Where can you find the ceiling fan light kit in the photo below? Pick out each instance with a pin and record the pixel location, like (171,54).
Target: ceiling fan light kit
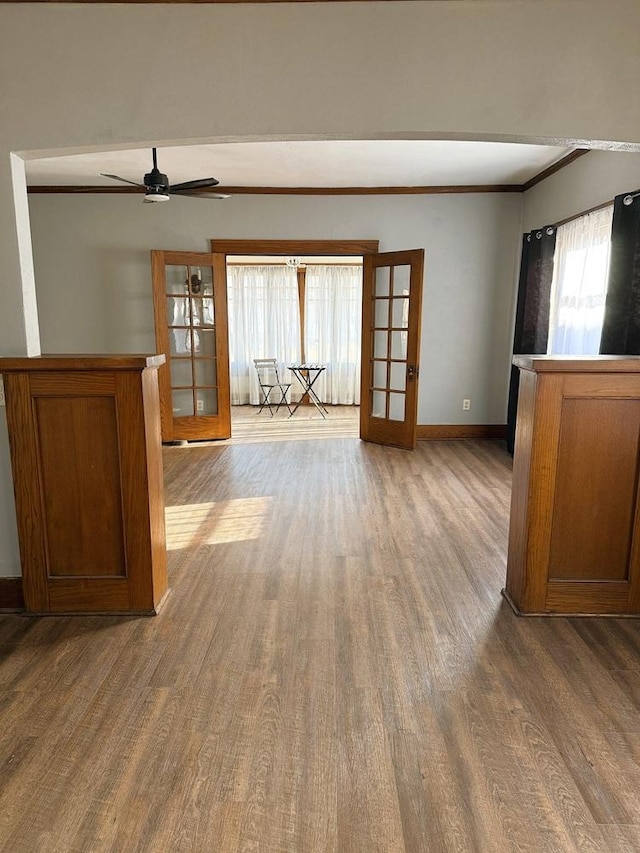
(155,195)
(156,185)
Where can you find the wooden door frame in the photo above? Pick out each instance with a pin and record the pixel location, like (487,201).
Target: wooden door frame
(293,248)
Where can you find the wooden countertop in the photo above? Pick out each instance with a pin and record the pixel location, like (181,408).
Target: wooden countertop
(578,364)
(80,362)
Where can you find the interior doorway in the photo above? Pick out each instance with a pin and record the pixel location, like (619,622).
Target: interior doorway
(294,326)
(299,302)
(190,307)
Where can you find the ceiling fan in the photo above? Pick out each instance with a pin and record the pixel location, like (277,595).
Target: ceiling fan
(157,186)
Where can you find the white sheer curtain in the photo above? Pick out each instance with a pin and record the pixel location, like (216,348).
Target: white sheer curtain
(579,286)
(264,322)
(333,307)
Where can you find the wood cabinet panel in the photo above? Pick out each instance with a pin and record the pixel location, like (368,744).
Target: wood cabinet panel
(81,486)
(99,595)
(518,528)
(573,540)
(86,457)
(26,486)
(577,597)
(596,489)
(137,496)
(157,579)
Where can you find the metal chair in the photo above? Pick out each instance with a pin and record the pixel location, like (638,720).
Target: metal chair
(269,380)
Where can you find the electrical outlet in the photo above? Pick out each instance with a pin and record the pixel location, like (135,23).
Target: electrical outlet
(2,401)
(466,405)
(199,405)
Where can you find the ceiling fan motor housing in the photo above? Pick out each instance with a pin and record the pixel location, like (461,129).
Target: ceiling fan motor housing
(156,181)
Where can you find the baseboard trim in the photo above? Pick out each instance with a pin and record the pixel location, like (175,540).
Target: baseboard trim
(561,614)
(457,432)
(11,597)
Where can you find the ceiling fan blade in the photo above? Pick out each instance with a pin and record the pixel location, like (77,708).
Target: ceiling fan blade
(203,183)
(199,194)
(124,180)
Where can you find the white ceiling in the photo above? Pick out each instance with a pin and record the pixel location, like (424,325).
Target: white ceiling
(310,164)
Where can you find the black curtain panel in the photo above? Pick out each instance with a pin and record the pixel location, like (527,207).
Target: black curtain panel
(621,326)
(532,309)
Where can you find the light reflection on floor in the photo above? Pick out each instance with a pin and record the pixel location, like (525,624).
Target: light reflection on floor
(212,523)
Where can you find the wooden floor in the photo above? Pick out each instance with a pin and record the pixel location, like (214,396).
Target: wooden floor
(249,424)
(333,671)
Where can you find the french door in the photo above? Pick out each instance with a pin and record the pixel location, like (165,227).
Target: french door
(391,313)
(190,306)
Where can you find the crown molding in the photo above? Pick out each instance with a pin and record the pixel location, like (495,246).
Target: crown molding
(436,190)
(551,170)
(88,189)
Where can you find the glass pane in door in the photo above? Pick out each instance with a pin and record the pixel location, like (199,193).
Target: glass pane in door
(396,407)
(381,313)
(401,280)
(400,312)
(380,374)
(202,311)
(206,401)
(206,313)
(181,373)
(205,371)
(399,345)
(178,311)
(201,281)
(179,342)
(175,276)
(182,401)
(398,380)
(380,343)
(381,281)
(204,342)
(378,404)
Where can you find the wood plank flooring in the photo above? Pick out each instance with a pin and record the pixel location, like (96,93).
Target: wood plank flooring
(248,424)
(334,671)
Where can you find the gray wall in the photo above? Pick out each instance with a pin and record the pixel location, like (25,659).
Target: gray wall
(589,181)
(91,257)
(80,78)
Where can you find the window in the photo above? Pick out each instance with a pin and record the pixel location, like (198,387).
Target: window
(579,286)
